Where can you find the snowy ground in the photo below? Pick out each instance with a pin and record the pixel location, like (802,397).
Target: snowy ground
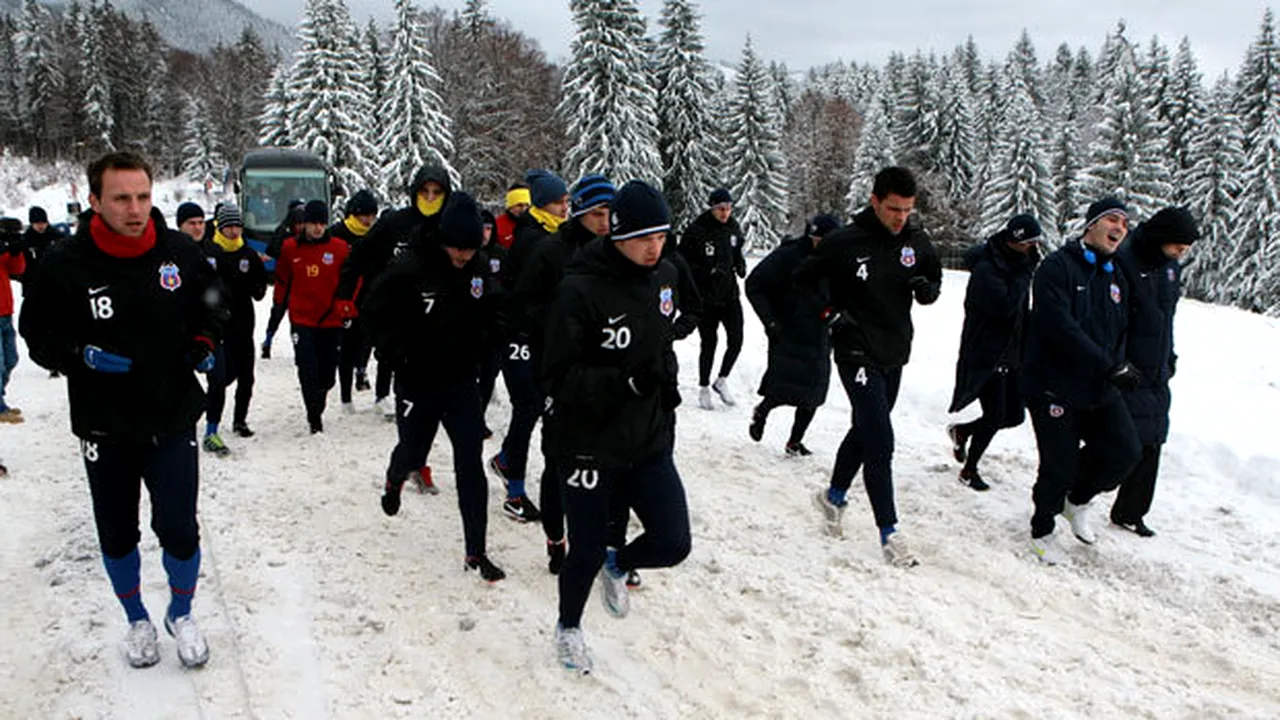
(317,605)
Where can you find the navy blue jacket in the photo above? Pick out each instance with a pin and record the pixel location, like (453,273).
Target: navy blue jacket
(1155,284)
(1077,334)
(995,315)
(799,349)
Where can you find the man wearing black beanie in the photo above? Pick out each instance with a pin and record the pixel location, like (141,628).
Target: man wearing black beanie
(1074,374)
(1151,260)
(190,220)
(39,236)
(429,316)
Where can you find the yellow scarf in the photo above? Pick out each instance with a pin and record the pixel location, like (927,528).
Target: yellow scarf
(546,219)
(356,227)
(428,208)
(226,243)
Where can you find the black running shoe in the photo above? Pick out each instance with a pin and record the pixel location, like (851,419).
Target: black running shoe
(362,382)
(487,569)
(633,579)
(266,351)
(797,449)
(959,439)
(555,556)
(1138,528)
(242,429)
(391,497)
(972,479)
(521,509)
(756,429)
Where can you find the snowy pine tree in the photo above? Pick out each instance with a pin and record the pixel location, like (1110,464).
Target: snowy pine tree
(273,123)
(202,159)
(99,122)
(1185,115)
(953,153)
(1066,161)
(874,153)
(688,143)
(1021,183)
(417,130)
(10,81)
(376,72)
(915,106)
(758,171)
(609,102)
(40,74)
(329,115)
(1216,163)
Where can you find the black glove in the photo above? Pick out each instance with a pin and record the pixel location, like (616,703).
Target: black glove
(926,291)
(1125,376)
(670,396)
(11,236)
(644,381)
(683,327)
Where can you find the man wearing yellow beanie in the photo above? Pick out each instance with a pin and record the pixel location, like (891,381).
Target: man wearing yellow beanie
(518,202)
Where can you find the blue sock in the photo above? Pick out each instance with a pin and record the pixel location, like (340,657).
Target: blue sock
(515,488)
(885,532)
(836,497)
(182,582)
(126,581)
(267,340)
(210,429)
(611,562)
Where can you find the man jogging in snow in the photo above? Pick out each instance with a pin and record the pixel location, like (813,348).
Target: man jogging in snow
(877,267)
(128,310)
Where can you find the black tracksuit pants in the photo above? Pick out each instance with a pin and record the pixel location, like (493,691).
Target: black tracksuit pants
(526,408)
(653,489)
(169,467)
(418,414)
(1071,472)
(1133,502)
(278,311)
(354,355)
(730,315)
(799,426)
(233,363)
(316,352)
(869,443)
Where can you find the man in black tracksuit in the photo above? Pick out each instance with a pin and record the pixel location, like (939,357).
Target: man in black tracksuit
(991,343)
(389,238)
(39,236)
(1074,371)
(533,294)
(495,256)
(875,267)
(430,315)
(362,213)
(712,245)
(799,369)
(244,281)
(611,374)
(549,210)
(127,310)
(1150,259)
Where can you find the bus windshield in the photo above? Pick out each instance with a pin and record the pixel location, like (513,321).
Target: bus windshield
(266,194)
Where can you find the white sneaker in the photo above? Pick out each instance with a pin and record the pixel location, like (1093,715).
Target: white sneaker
(385,407)
(613,593)
(721,386)
(571,647)
(897,553)
(1079,516)
(1046,550)
(349,408)
(704,398)
(193,651)
(140,644)
(832,515)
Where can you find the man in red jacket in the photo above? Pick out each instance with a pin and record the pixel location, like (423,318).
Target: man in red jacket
(306,280)
(12,262)
(518,201)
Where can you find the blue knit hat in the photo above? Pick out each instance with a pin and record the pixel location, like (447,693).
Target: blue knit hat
(639,209)
(591,191)
(719,196)
(545,187)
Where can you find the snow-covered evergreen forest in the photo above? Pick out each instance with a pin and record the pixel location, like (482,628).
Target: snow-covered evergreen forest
(990,132)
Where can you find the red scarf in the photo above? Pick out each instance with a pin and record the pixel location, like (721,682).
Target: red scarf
(121,246)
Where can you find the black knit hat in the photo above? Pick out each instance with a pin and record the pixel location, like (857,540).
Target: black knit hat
(1022,228)
(1172,225)
(1102,208)
(362,203)
(820,225)
(719,196)
(37,215)
(460,223)
(316,211)
(639,209)
(487,218)
(188,210)
(228,215)
(589,192)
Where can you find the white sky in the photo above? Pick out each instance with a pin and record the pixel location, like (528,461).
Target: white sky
(803,33)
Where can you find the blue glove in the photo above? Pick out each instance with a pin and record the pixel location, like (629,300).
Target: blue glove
(102,361)
(205,365)
(200,355)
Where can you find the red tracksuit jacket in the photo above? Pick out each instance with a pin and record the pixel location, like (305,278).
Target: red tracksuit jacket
(307,275)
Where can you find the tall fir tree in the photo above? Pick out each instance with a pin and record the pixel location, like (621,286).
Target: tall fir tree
(689,146)
(875,152)
(375,76)
(1185,114)
(273,122)
(1253,84)
(1022,182)
(1214,183)
(953,153)
(759,170)
(417,130)
(329,115)
(915,108)
(99,122)
(1024,68)
(40,73)
(202,159)
(609,102)
(10,83)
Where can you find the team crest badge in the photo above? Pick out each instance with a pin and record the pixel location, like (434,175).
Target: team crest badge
(1057,411)
(1115,293)
(666,301)
(327,259)
(244,265)
(733,241)
(169,278)
(908,257)
(1169,273)
(495,265)
(477,287)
